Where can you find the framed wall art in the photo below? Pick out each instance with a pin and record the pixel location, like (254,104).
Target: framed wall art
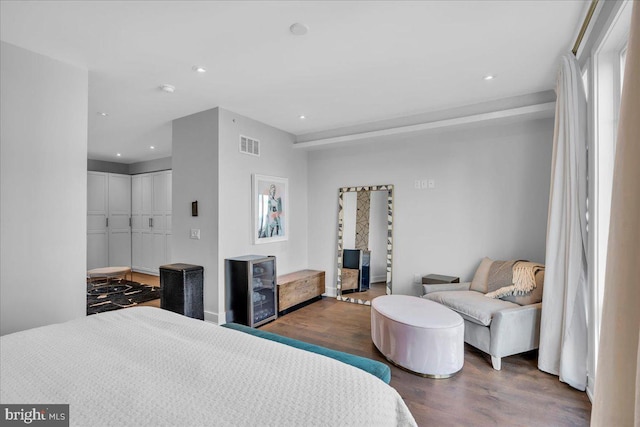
(270,209)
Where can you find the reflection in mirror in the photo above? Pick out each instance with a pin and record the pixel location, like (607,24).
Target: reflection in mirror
(365,225)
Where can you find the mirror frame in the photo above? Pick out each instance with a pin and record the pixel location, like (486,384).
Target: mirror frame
(341,193)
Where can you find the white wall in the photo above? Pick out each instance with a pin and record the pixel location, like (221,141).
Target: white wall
(195,177)
(107,167)
(43,158)
(150,166)
(277,158)
(129,169)
(491,197)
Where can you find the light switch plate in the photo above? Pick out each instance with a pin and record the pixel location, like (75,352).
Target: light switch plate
(195,233)
(431,183)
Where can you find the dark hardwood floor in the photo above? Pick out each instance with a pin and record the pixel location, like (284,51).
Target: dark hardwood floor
(518,395)
(375,290)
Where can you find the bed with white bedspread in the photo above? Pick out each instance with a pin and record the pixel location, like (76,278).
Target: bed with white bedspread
(150,367)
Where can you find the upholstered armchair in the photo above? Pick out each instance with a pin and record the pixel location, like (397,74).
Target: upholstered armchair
(500,326)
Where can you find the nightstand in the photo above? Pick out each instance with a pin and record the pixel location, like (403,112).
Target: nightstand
(434,279)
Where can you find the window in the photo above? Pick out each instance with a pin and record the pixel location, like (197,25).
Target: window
(623,61)
(603,76)
(585,80)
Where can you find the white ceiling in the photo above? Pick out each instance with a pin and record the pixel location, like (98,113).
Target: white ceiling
(360,61)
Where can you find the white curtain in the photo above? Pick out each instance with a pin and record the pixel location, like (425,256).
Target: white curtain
(563,327)
(617,393)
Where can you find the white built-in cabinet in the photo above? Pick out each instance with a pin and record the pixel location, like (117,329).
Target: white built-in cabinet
(129,220)
(108,216)
(151,221)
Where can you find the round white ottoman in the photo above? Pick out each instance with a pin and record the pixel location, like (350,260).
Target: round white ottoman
(419,335)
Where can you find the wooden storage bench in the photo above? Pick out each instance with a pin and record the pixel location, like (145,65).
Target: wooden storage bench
(350,279)
(299,288)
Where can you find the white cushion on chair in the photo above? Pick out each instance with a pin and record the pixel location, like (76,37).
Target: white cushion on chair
(471,305)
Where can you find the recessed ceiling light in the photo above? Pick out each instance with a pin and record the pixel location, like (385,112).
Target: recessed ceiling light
(152,147)
(489,77)
(302,117)
(103,114)
(298,29)
(168,88)
(199,69)
(118,154)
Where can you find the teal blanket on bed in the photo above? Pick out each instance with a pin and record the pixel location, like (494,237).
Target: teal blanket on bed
(374,367)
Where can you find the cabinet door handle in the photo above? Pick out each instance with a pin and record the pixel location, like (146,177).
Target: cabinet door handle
(129,221)
(150,222)
(107,224)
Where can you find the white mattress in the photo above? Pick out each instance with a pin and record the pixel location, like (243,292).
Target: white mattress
(149,367)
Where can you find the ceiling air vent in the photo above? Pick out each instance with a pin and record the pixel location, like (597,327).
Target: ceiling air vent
(249,146)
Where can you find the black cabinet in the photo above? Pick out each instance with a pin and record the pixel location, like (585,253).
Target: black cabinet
(365,277)
(181,289)
(358,260)
(251,289)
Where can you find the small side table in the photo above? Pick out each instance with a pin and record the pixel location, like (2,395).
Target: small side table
(436,279)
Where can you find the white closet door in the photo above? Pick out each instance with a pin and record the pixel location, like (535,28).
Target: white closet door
(97,205)
(159,251)
(147,224)
(148,253)
(119,217)
(159,219)
(159,192)
(151,221)
(136,201)
(147,193)
(169,186)
(129,220)
(136,251)
(136,222)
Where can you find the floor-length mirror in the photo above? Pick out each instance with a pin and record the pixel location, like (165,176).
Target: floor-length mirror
(365,243)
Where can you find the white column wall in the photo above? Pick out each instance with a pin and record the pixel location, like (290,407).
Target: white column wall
(277,158)
(43,196)
(195,177)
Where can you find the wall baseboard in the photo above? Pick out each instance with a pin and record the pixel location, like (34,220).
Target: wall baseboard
(330,292)
(590,387)
(148,271)
(212,317)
